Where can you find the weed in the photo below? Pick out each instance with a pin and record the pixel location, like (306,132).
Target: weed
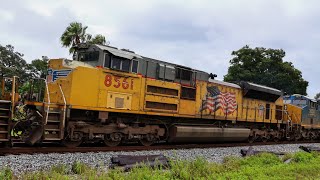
(262,166)
(79,168)
(61,169)
(6,174)
(302,157)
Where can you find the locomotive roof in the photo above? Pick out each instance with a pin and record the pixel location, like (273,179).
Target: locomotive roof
(117,52)
(302,96)
(261,87)
(224,83)
(130,55)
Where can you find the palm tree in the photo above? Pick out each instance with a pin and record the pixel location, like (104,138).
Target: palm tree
(74,34)
(98,39)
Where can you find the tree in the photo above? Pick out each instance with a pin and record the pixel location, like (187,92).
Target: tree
(98,39)
(317,96)
(39,67)
(74,34)
(12,63)
(266,67)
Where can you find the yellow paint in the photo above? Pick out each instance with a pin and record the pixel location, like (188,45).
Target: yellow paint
(295,113)
(117,100)
(89,88)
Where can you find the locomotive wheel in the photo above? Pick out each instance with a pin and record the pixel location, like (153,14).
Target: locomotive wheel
(297,136)
(147,140)
(251,139)
(264,139)
(312,136)
(113,139)
(71,144)
(75,142)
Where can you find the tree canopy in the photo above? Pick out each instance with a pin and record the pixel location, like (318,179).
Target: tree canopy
(12,63)
(266,67)
(76,33)
(38,68)
(98,39)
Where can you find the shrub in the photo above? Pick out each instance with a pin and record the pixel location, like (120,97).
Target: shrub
(261,160)
(302,157)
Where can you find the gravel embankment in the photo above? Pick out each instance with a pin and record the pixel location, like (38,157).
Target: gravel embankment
(27,163)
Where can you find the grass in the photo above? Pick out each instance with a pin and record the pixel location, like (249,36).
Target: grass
(262,166)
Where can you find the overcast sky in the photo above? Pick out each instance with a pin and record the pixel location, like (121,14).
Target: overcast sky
(199,34)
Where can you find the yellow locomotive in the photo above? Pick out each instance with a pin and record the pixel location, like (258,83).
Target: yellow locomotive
(115,95)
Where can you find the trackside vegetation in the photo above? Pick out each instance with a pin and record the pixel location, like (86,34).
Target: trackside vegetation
(300,165)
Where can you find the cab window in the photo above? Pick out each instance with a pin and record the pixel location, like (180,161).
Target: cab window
(121,64)
(134,67)
(89,56)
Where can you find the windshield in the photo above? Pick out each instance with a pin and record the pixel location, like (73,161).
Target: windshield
(88,56)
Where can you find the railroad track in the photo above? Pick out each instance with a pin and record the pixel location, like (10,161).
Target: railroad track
(60,149)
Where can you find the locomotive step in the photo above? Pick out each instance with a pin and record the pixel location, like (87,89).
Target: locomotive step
(5,101)
(3,124)
(52,129)
(4,139)
(4,116)
(53,121)
(52,139)
(4,109)
(53,112)
(2,132)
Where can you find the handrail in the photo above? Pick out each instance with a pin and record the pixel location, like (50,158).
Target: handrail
(48,99)
(64,107)
(13,96)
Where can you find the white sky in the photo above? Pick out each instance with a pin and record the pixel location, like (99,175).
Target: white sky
(199,34)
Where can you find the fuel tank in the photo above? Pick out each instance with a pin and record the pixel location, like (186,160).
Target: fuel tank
(207,134)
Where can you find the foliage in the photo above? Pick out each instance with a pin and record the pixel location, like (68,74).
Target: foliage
(262,166)
(6,174)
(317,96)
(76,33)
(266,67)
(97,39)
(38,68)
(12,63)
(79,168)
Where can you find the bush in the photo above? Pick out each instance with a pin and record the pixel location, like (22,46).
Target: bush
(302,157)
(261,160)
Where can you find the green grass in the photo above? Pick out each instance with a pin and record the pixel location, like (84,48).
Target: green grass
(263,166)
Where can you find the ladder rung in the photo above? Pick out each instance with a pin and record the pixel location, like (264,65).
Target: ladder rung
(4,139)
(5,101)
(52,139)
(54,112)
(50,120)
(2,132)
(3,124)
(4,116)
(52,129)
(4,109)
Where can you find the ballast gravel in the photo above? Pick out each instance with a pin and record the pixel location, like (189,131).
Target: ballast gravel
(28,163)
